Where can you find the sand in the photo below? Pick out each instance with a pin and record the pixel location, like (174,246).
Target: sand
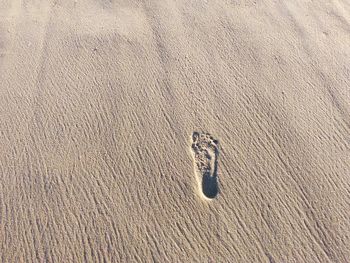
(174,131)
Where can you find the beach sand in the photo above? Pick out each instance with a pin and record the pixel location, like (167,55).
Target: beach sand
(174,131)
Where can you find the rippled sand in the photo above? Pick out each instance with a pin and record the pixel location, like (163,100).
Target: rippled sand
(174,131)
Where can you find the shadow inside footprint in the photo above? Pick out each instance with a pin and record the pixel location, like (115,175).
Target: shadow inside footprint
(210,186)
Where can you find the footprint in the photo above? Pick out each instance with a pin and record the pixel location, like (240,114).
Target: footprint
(205,149)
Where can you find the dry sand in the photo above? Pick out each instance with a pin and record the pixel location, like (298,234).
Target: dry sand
(99,102)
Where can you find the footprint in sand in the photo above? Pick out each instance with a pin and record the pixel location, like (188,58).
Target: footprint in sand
(205,150)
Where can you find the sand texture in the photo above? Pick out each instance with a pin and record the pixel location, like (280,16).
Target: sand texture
(174,131)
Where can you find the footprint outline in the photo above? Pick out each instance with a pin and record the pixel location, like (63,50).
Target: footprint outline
(206,151)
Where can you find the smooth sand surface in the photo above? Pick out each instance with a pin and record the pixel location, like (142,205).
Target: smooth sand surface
(106,112)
